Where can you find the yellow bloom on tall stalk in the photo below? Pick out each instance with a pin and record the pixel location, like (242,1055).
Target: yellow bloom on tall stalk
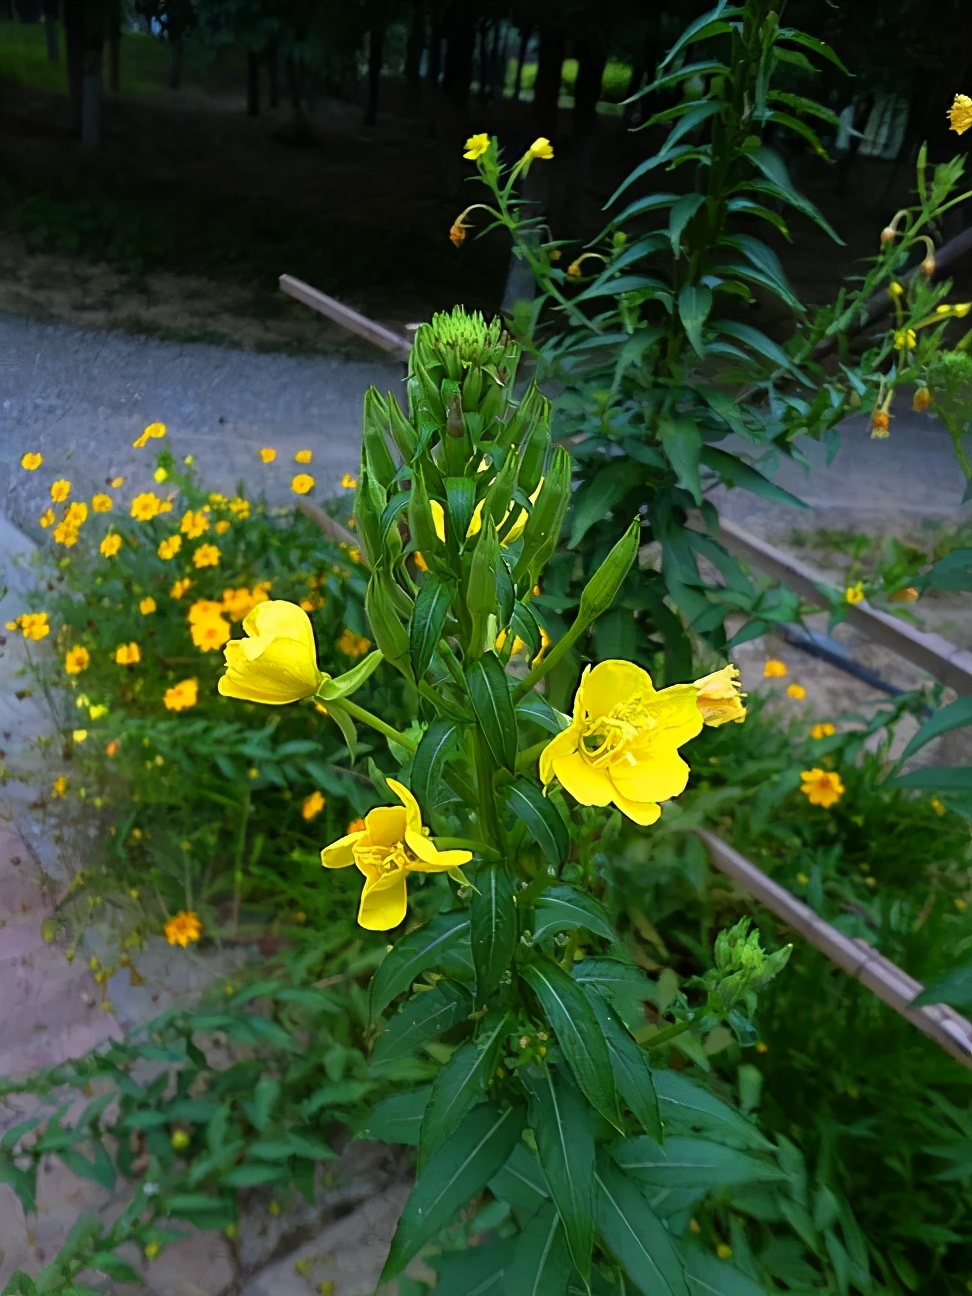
(31,461)
(153,431)
(476,146)
(277,661)
(60,490)
(392,844)
(960,114)
(181,696)
(312,806)
(128,654)
(169,547)
(76,660)
(183,928)
(621,746)
(110,545)
(541,148)
(302,484)
(821,787)
(146,506)
(194,525)
(206,555)
(102,503)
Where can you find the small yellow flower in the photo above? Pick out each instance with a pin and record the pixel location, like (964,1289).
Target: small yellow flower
(719,699)
(880,424)
(803,879)
(821,787)
(154,430)
(895,289)
(77,660)
(960,114)
(392,844)
(117,483)
(47,518)
(66,534)
(59,786)
(937,805)
(160,475)
(762,1047)
(775,669)
(60,490)
(76,515)
(146,506)
(420,562)
(210,633)
(189,460)
(180,587)
(152,1249)
(541,148)
(905,339)
(98,712)
(854,593)
(111,749)
(183,928)
(909,594)
(312,806)
(277,661)
(303,456)
(476,146)
(206,555)
(353,645)
(921,400)
(222,526)
(147,606)
(457,233)
(302,484)
(102,503)
(32,625)
(268,454)
(823,730)
(194,525)
(180,1138)
(31,461)
(348,482)
(723,1251)
(237,602)
(796,691)
(181,696)
(128,654)
(79,735)
(111,544)
(169,547)
(356,826)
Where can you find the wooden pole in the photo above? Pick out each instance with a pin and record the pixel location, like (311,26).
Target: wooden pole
(394,343)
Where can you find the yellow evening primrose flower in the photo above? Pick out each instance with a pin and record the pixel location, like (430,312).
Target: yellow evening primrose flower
(181,696)
(719,699)
(277,661)
(775,669)
(206,555)
(821,787)
(348,482)
(312,806)
(102,503)
(110,545)
(31,461)
(854,593)
(303,456)
(128,654)
(391,844)
(169,547)
(153,431)
(302,484)
(180,930)
(60,490)
(76,660)
(960,114)
(621,746)
(905,339)
(541,148)
(353,645)
(268,454)
(180,587)
(476,146)
(194,525)
(823,730)
(47,518)
(796,691)
(145,506)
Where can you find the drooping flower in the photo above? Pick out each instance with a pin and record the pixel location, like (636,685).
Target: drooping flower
(541,148)
(960,114)
(277,661)
(47,518)
(76,660)
(823,730)
(194,524)
(102,503)
(821,787)
(796,691)
(880,424)
(169,547)
(854,593)
(476,146)
(312,806)
(146,506)
(60,490)
(181,696)
(353,645)
(621,746)
(303,456)
(775,669)
(719,698)
(31,461)
(153,431)
(111,544)
(302,484)
(268,454)
(206,555)
(183,928)
(457,232)
(128,654)
(391,844)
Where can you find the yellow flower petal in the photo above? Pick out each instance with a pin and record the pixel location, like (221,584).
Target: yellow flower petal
(383,904)
(584,782)
(642,812)
(385,825)
(610,682)
(340,854)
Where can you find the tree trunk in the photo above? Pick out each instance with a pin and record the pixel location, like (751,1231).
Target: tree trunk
(114,46)
(546,92)
(252,84)
(414,47)
(591,62)
(525,34)
(460,50)
(92,62)
(376,52)
(272,76)
(74,57)
(50,32)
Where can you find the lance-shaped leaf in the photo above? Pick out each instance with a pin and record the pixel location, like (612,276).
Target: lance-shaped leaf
(342,686)
(566,908)
(489,692)
(437,744)
(632,1072)
(494,928)
(460,1085)
(541,1263)
(540,815)
(428,620)
(636,1236)
(564,1133)
(424,1017)
(413,954)
(457,1172)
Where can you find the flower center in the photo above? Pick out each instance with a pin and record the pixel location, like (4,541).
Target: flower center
(383,861)
(605,736)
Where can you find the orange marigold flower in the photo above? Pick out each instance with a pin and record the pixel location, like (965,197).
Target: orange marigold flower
(180,587)
(353,645)
(206,555)
(183,928)
(210,633)
(102,503)
(194,525)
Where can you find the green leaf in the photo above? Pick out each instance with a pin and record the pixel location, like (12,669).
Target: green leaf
(758,342)
(707,1275)
(562,1126)
(437,744)
(623,984)
(578,1033)
(541,1263)
(265,1098)
(682,442)
(398,1119)
(423,1017)
(774,169)
(521,1183)
(954,716)
(953,987)
(23,1182)
(687,1106)
(457,1172)
(108,1263)
(820,47)
(460,1085)
(632,1071)
(461,503)
(99,1169)
(342,686)
(736,472)
(494,928)
(697,30)
(489,692)
(565,908)
(428,620)
(249,1176)
(953,572)
(765,260)
(681,213)
(413,954)
(694,307)
(595,501)
(941,778)
(476,1270)
(686,1162)
(540,816)
(540,712)
(635,1234)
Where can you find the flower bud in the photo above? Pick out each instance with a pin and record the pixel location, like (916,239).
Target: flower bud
(420,520)
(376,429)
(922,400)
(602,589)
(370,502)
(928,265)
(542,530)
(887,235)
(481,597)
(389,633)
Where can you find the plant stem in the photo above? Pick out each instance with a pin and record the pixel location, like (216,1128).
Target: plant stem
(527,757)
(669,1033)
(366,717)
(556,653)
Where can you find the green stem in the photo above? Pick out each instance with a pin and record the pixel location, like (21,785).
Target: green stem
(366,717)
(453,664)
(556,654)
(526,758)
(669,1033)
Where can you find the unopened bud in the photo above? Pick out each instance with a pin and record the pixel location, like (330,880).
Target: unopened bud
(928,265)
(921,400)
(887,234)
(602,589)
(387,629)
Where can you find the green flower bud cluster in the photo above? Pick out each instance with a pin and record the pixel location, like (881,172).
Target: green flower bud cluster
(742,968)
